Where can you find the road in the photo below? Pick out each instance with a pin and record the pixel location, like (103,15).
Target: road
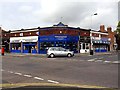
(96,70)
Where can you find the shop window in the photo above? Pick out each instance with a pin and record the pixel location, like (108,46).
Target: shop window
(16,46)
(44,45)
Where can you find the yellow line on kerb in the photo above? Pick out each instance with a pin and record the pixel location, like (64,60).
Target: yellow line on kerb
(48,84)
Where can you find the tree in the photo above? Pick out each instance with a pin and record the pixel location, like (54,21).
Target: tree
(117,35)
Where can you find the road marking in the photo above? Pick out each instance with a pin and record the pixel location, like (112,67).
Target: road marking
(38,78)
(10,71)
(27,75)
(99,61)
(91,60)
(116,62)
(53,81)
(100,58)
(18,73)
(2,70)
(107,61)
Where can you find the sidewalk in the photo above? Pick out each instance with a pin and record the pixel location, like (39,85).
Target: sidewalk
(76,54)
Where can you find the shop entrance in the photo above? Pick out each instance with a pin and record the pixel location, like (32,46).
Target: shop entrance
(84,47)
(29,48)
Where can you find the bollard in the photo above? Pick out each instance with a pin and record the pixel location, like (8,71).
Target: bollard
(2,51)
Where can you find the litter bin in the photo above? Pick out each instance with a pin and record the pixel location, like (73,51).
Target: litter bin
(91,52)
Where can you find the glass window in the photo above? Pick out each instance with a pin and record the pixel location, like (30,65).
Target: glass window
(16,46)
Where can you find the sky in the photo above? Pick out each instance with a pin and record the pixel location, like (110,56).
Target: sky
(18,14)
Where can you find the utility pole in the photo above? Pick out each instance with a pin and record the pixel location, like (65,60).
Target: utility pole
(91,41)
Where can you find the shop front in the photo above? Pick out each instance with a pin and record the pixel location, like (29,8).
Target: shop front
(84,44)
(24,44)
(65,41)
(102,45)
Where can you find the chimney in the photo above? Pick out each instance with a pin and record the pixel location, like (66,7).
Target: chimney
(102,28)
(109,29)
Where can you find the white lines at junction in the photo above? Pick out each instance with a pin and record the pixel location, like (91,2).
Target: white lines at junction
(38,78)
(27,76)
(53,81)
(18,73)
(30,76)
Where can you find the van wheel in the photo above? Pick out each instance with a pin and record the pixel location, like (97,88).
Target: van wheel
(69,55)
(52,55)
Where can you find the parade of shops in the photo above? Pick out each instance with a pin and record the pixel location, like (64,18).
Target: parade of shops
(79,40)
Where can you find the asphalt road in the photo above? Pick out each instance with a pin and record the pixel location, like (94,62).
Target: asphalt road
(96,70)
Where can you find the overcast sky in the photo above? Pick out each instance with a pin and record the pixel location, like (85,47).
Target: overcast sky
(18,14)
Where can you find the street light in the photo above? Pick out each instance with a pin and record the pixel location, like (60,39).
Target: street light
(91,42)
(91,18)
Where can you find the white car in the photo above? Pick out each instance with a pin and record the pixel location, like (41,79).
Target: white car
(59,51)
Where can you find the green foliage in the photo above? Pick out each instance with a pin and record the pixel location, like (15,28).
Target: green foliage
(118,28)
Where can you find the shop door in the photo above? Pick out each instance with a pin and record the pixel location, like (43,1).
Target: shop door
(28,48)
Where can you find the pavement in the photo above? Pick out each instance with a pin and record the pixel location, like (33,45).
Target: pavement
(76,54)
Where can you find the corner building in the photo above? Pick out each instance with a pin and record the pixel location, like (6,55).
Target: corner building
(37,40)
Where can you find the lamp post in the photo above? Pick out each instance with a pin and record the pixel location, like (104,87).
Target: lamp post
(91,18)
(91,41)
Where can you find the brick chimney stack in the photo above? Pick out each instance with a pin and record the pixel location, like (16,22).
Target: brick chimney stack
(102,28)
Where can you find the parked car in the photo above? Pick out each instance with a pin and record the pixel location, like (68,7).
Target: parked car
(59,51)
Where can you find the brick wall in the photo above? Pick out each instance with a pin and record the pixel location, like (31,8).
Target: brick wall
(110,35)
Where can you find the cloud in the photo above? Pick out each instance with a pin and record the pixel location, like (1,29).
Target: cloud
(25,9)
(77,13)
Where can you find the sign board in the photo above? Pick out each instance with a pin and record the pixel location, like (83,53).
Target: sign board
(24,39)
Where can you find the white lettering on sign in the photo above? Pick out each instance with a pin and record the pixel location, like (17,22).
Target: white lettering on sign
(60,37)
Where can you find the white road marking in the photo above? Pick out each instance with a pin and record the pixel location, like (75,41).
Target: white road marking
(100,58)
(116,62)
(27,75)
(10,71)
(107,61)
(99,61)
(38,78)
(53,81)
(2,70)
(91,60)
(18,73)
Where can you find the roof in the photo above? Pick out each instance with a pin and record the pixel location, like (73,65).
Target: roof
(60,24)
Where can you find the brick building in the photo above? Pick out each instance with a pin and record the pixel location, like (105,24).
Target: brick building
(4,39)
(79,40)
(110,36)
